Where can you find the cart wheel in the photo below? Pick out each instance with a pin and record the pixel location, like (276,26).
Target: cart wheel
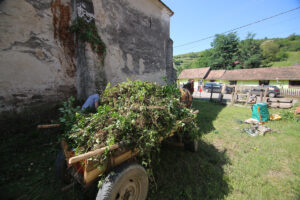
(191,145)
(61,169)
(128,181)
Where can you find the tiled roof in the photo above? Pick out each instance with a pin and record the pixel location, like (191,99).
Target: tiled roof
(215,74)
(279,73)
(194,73)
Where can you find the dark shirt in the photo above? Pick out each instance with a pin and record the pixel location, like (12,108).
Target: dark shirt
(189,86)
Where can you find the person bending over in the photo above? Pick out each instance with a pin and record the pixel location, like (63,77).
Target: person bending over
(91,103)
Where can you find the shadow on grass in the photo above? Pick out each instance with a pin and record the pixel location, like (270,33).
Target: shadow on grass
(27,159)
(28,156)
(208,112)
(186,175)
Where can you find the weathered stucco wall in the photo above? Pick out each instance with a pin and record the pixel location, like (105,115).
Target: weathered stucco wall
(42,62)
(136,33)
(34,66)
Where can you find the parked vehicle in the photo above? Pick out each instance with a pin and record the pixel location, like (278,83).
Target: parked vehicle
(273,91)
(217,87)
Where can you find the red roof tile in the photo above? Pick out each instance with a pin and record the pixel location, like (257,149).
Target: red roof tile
(279,73)
(194,73)
(215,74)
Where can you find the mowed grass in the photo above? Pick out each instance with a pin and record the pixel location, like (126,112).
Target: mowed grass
(229,164)
(263,167)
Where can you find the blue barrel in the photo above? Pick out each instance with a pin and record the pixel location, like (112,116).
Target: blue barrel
(264,112)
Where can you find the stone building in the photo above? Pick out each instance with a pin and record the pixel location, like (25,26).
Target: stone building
(43,62)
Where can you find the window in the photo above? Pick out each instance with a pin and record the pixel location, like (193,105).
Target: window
(294,83)
(264,82)
(232,82)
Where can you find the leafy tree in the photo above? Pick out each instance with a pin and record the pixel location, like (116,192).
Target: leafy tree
(204,60)
(225,51)
(281,55)
(250,53)
(269,50)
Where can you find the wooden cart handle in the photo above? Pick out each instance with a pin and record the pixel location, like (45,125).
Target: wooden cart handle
(87,155)
(196,112)
(48,125)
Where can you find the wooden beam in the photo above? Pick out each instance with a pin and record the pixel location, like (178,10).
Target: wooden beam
(87,155)
(44,126)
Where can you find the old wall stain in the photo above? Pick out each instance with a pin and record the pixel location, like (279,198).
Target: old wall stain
(61,23)
(141,36)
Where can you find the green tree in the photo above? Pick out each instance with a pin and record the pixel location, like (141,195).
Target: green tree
(204,60)
(269,50)
(250,53)
(225,51)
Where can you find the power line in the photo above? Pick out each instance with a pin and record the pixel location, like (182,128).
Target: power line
(258,21)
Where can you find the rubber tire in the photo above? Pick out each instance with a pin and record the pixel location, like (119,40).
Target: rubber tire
(272,95)
(191,145)
(122,176)
(61,168)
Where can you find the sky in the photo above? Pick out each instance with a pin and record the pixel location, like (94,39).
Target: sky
(197,19)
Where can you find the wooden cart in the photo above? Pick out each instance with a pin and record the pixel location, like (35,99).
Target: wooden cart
(85,171)
(128,180)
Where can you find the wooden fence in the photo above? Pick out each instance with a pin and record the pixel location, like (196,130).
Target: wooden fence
(290,92)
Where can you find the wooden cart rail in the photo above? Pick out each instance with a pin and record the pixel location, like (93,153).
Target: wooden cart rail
(90,154)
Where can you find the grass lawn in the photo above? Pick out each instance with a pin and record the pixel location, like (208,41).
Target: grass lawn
(229,165)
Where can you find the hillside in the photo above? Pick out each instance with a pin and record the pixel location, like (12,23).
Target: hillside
(287,54)
(293,58)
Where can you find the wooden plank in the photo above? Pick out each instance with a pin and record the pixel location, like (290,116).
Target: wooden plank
(242,101)
(280,100)
(286,105)
(115,161)
(44,126)
(281,105)
(91,176)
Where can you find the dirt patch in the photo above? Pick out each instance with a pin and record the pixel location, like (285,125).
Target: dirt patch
(283,173)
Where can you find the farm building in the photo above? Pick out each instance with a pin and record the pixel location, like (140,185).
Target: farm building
(197,74)
(282,77)
(43,62)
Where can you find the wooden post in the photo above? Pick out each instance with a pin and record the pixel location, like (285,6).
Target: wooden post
(222,93)
(233,95)
(211,92)
(265,95)
(248,97)
(261,96)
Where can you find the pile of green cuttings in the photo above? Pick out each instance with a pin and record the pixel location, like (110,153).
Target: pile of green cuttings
(135,113)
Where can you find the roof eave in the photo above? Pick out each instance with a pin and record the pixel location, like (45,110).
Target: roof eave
(171,11)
